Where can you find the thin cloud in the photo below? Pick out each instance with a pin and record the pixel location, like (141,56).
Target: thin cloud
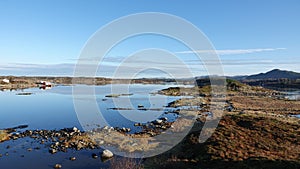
(231,51)
(107,70)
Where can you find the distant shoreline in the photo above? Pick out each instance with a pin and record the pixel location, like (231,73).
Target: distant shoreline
(23,82)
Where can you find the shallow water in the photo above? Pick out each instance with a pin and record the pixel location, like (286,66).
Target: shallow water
(298,115)
(294,95)
(54,109)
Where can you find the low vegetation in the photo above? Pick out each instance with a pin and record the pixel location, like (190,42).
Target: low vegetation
(256,131)
(4,135)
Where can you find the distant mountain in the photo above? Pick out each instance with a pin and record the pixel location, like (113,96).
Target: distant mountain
(275,74)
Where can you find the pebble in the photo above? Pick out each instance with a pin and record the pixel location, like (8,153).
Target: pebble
(164,119)
(138,124)
(94,156)
(57,166)
(72,158)
(125,129)
(52,151)
(158,121)
(75,129)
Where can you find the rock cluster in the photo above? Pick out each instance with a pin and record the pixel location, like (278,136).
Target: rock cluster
(59,140)
(155,127)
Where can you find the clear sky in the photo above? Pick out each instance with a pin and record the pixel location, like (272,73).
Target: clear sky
(46,37)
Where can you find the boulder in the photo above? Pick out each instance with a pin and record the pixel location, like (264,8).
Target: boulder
(107,154)
(158,121)
(57,166)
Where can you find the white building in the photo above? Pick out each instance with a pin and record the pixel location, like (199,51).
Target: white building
(5,81)
(44,83)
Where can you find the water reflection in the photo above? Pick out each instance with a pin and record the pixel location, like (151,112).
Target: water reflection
(294,95)
(52,108)
(45,87)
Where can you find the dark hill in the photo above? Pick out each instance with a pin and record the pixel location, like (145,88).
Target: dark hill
(276,74)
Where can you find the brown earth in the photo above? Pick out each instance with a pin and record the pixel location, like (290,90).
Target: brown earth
(256,131)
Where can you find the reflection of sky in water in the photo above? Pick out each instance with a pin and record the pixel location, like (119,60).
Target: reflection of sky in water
(42,159)
(54,109)
(298,116)
(39,110)
(295,95)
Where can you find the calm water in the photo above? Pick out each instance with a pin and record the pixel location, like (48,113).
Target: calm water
(54,109)
(295,95)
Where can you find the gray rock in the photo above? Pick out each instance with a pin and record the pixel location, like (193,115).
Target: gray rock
(52,151)
(125,129)
(164,119)
(76,130)
(107,154)
(57,166)
(72,158)
(158,121)
(94,156)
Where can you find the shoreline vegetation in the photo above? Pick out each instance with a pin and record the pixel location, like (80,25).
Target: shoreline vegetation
(257,129)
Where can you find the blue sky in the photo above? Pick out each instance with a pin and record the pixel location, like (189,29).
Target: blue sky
(46,37)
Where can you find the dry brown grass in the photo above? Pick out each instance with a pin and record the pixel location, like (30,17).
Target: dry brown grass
(125,143)
(266,104)
(181,124)
(4,135)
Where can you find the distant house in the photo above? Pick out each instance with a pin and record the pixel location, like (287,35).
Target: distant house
(5,81)
(44,84)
